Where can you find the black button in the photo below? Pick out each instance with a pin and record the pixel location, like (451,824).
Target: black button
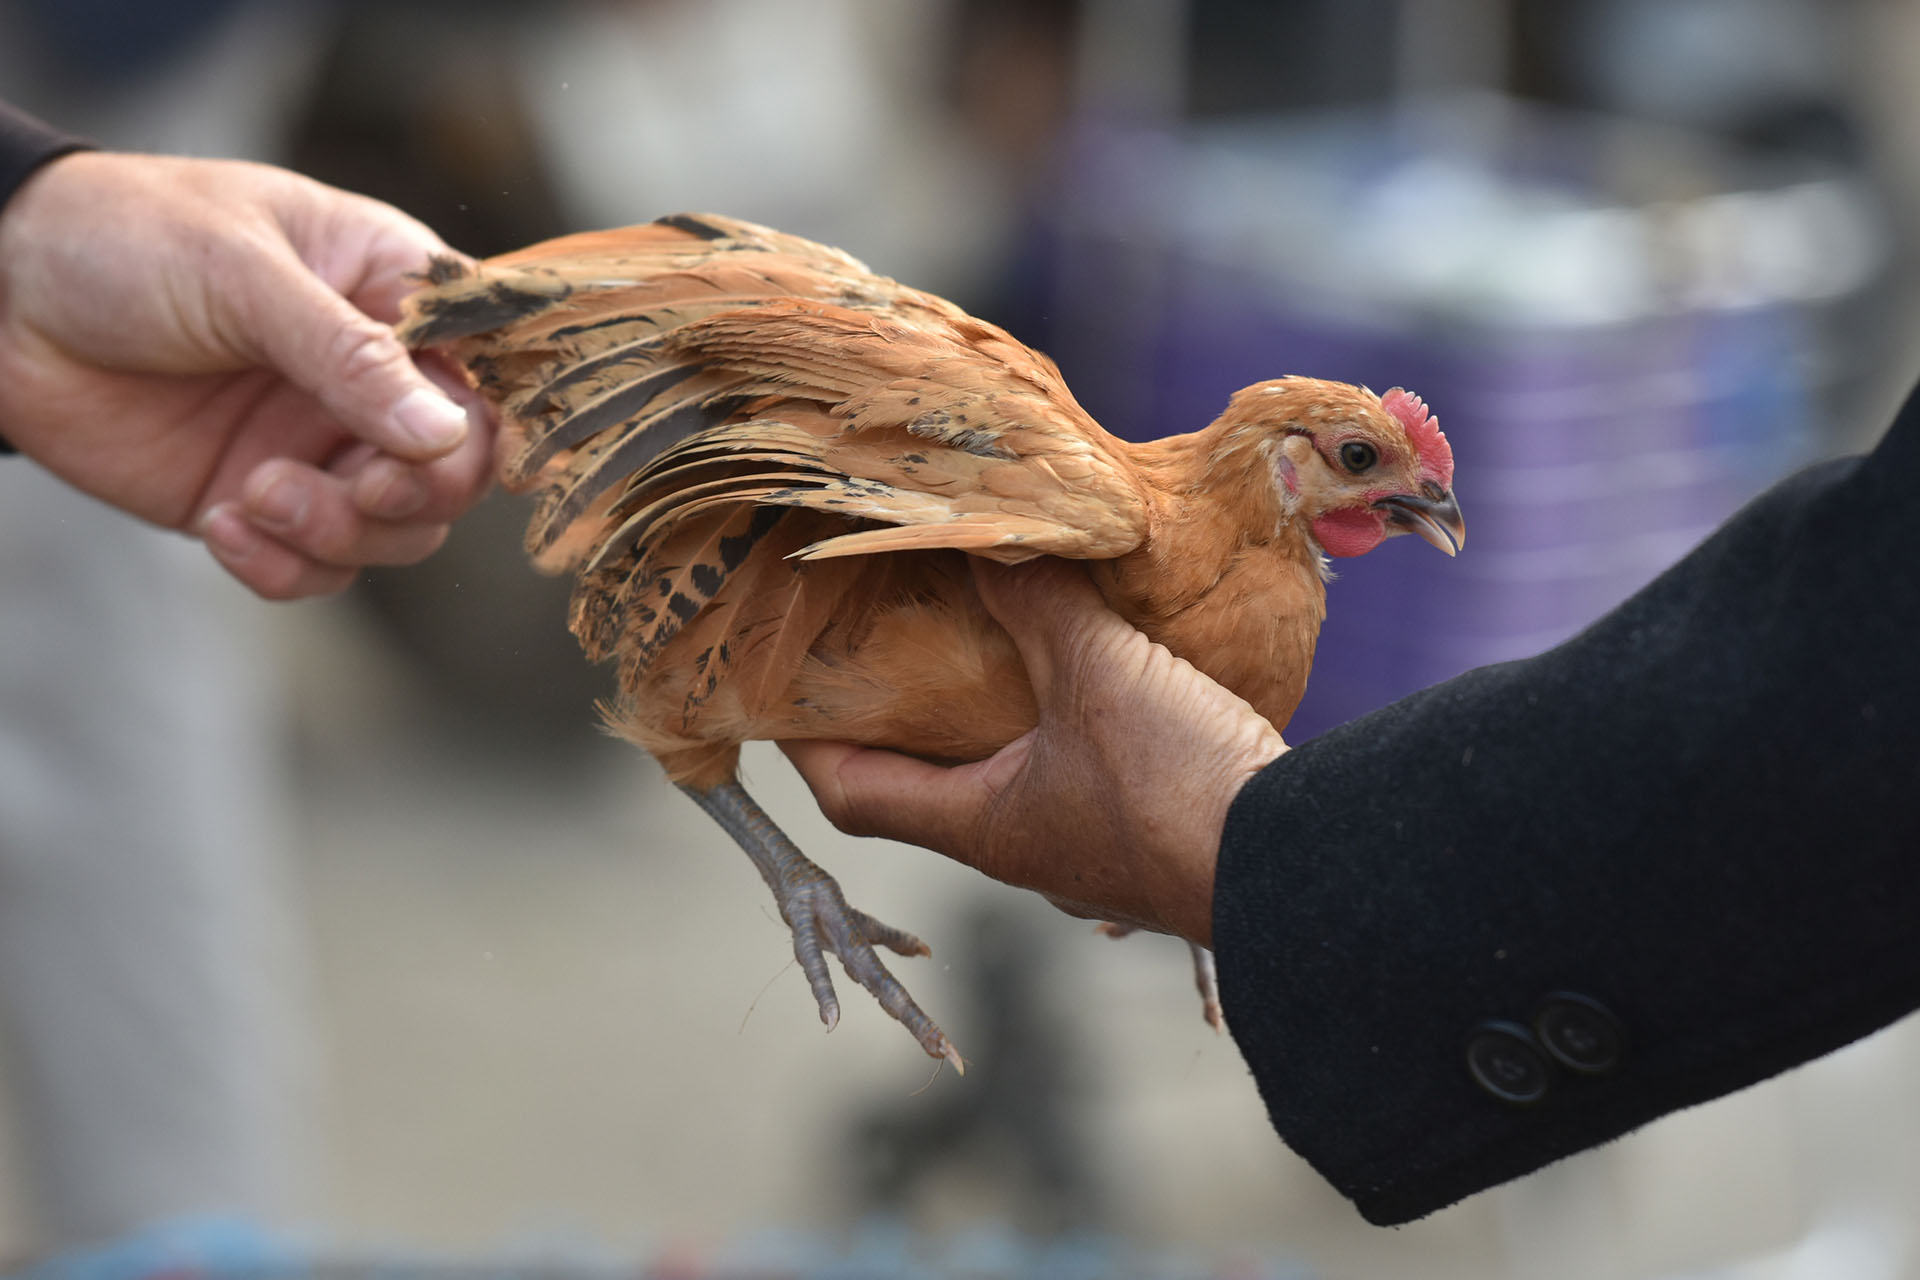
(1502,1059)
(1580,1033)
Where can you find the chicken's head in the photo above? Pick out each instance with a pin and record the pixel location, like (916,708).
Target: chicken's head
(1356,468)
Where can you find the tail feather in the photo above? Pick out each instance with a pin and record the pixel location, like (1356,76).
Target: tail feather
(765,626)
(809,602)
(563,383)
(997,537)
(617,406)
(465,303)
(654,520)
(640,441)
(647,602)
(722,420)
(641,508)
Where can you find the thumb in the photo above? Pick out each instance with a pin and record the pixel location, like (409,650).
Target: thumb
(348,361)
(865,791)
(1051,609)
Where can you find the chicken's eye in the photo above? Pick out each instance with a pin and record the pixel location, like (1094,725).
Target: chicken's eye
(1357,455)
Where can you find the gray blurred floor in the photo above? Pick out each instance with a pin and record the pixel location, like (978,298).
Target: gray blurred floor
(552,1005)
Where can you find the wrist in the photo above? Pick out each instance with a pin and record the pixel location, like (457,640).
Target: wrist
(28,147)
(1201,854)
(25,158)
(1192,917)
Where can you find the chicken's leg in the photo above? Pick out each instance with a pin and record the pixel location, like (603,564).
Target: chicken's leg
(1205,978)
(811,903)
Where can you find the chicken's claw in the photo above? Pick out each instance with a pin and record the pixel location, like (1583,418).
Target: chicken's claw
(821,919)
(885,935)
(1206,979)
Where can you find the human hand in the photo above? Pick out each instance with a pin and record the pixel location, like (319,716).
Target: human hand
(1113,806)
(203,343)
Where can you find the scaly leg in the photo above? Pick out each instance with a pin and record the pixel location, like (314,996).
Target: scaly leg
(1205,980)
(811,903)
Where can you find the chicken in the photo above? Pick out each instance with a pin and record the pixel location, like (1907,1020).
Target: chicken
(766,466)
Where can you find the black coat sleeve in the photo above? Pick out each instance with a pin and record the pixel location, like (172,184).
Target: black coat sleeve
(25,145)
(1699,814)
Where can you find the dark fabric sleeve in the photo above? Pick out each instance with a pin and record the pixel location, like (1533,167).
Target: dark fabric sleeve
(1699,813)
(25,145)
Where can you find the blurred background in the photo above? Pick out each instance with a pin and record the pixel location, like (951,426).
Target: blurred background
(335,930)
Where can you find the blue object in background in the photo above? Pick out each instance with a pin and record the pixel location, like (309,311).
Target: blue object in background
(882,1249)
(180,1249)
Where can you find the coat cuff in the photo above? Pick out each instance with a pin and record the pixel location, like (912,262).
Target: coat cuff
(25,145)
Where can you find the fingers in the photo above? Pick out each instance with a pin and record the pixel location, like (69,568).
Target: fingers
(264,566)
(367,507)
(348,361)
(869,792)
(315,514)
(298,531)
(387,514)
(388,488)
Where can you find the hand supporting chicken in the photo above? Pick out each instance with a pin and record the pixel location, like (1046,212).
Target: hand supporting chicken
(767,466)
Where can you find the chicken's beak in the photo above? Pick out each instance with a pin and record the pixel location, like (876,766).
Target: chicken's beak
(1432,513)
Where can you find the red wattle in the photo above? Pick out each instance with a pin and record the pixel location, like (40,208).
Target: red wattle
(1350,531)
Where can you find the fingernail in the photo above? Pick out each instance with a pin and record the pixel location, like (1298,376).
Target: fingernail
(389,490)
(430,420)
(227,533)
(279,501)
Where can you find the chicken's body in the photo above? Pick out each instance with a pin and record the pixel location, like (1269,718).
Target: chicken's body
(911,660)
(767,467)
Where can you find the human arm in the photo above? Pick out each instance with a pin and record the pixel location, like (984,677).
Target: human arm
(204,344)
(1696,813)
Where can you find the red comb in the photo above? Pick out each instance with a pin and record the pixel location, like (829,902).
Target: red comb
(1436,456)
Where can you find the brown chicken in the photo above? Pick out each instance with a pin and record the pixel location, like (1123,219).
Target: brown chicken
(766,465)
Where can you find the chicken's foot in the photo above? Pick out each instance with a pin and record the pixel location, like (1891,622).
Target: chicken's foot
(811,903)
(1205,979)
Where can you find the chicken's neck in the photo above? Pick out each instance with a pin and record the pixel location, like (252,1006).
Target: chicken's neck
(1226,579)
